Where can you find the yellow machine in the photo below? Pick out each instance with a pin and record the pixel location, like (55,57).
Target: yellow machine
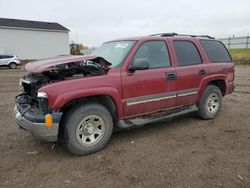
(76,49)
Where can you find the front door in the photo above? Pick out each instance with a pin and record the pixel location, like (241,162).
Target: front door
(154,89)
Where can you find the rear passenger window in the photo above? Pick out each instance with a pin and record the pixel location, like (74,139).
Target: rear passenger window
(187,53)
(155,52)
(215,51)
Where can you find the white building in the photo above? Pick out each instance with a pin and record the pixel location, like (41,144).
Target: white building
(33,39)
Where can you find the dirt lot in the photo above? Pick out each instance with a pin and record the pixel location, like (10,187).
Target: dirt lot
(186,152)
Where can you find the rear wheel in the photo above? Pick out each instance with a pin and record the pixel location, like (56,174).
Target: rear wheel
(211,102)
(88,128)
(12,65)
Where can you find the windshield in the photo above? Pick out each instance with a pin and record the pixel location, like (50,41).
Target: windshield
(114,52)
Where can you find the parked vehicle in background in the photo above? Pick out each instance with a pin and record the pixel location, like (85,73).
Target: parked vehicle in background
(10,61)
(124,83)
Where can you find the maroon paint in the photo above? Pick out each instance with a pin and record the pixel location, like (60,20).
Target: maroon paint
(120,84)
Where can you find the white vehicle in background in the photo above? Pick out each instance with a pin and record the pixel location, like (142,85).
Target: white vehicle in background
(10,61)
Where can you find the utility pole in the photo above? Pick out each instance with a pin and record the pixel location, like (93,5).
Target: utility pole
(247,40)
(76,36)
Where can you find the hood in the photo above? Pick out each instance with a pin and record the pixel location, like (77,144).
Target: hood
(44,64)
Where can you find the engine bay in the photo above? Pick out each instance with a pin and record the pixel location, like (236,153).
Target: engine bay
(33,81)
(73,70)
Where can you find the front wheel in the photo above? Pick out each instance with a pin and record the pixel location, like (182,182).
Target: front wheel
(210,103)
(88,128)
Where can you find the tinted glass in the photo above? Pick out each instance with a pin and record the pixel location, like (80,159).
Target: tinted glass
(215,51)
(6,56)
(187,53)
(155,52)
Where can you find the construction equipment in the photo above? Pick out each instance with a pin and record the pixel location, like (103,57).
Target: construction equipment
(76,49)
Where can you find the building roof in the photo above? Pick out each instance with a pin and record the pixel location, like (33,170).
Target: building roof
(29,24)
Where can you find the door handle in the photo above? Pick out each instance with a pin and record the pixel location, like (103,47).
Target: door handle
(171,76)
(202,71)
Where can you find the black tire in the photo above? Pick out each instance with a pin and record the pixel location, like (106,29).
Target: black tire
(12,65)
(208,110)
(73,139)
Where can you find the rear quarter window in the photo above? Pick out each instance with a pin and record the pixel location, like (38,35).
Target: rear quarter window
(216,51)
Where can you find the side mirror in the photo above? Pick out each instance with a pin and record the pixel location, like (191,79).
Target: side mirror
(139,64)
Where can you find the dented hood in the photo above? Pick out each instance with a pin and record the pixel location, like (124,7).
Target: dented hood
(44,64)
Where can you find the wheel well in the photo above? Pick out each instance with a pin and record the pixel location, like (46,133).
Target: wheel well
(105,100)
(220,84)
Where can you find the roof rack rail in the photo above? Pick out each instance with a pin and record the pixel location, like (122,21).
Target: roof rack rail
(164,34)
(176,34)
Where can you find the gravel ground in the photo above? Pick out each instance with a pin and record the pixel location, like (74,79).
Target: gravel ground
(186,152)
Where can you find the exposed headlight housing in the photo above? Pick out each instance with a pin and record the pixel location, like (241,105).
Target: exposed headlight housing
(41,94)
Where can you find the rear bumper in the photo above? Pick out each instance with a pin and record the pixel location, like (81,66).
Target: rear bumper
(35,123)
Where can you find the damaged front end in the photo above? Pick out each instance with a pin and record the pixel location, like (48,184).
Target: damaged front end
(32,111)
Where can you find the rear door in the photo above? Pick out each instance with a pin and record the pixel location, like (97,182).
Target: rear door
(191,69)
(154,89)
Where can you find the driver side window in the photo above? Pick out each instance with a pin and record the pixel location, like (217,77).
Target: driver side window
(155,52)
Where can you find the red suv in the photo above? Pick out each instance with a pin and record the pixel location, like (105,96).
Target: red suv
(124,83)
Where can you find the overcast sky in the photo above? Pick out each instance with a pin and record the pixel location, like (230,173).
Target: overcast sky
(93,22)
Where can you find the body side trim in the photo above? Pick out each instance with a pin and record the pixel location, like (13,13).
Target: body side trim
(161,96)
(150,98)
(187,92)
